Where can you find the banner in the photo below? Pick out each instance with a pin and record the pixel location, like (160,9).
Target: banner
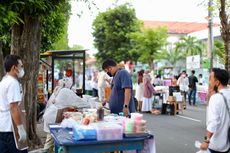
(193,62)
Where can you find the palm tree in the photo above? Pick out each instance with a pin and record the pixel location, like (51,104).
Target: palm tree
(219,50)
(171,55)
(190,46)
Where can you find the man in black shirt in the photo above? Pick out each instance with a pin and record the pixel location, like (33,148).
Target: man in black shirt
(192,87)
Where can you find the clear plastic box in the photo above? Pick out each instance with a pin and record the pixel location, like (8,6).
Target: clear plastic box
(109,131)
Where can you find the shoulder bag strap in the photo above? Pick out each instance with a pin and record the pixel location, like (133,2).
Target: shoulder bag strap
(225,101)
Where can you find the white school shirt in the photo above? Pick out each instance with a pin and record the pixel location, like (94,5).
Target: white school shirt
(183,83)
(9,93)
(219,121)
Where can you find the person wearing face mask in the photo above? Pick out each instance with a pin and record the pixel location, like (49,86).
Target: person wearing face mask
(121,98)
(183,83)
(10,99)
(218,119)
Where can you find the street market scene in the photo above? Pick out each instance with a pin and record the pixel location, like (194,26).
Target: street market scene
(120,76)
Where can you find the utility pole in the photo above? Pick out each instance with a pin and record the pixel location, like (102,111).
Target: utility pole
(210,33)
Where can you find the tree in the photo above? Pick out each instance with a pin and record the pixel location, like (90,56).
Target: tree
(8,17)
(224,14)
(148,43)
(111,33)
(171,55)
(219,51)
(190,46)
(26,42)
(54,29)
(76,47)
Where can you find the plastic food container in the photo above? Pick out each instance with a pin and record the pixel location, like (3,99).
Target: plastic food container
(84,133)
(109,131)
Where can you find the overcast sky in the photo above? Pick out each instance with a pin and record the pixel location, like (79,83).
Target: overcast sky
(79,31)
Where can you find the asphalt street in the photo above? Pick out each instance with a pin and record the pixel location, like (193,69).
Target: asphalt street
(177,134)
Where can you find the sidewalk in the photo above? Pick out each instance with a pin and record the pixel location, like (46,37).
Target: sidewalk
(42,136)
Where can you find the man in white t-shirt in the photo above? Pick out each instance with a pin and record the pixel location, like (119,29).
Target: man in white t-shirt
(201,80)
(10,98)
(218,120)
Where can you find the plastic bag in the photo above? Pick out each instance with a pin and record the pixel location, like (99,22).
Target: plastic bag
(197,145)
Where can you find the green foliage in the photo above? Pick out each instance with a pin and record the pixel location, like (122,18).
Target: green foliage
(36,7)
(54,28)
(76,47)
(171,55)
(190,46)
(149,43)
(219,50)
(54,16)
(7,19)
(112,33)
(206,63)
(60,42)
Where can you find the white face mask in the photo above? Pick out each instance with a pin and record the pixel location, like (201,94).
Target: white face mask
(21,73)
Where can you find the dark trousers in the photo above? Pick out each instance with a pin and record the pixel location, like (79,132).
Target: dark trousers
(95,92)
(7,144)
(192,93)
(213,151)
(184,93)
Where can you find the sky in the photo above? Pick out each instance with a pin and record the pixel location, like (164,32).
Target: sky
(80,29)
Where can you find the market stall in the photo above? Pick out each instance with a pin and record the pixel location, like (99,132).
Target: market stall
(202,92)
(89,131)
(164,90)
(71,146)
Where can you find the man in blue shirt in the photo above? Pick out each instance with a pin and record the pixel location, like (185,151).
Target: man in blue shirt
(121,97)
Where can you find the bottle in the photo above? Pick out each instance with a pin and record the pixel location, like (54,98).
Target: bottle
(100,114)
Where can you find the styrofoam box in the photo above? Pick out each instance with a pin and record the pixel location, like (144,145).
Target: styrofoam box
(109,131)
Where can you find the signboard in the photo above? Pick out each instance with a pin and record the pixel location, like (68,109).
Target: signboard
(40,89)
(193,62)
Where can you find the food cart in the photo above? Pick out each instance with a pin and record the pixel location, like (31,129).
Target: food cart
(65,63)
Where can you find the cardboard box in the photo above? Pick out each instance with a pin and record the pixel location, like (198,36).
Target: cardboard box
(171,99)
(60,116)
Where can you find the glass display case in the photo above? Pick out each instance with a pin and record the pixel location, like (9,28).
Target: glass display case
(66,64)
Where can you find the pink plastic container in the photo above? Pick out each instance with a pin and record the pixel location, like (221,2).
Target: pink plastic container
(167,82)
(136,116)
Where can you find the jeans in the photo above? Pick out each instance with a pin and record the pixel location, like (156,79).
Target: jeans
(192,93)
(213,151)
(7,144)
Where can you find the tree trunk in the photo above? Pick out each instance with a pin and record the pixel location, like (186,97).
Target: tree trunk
(225,33)
(26,42)
(151,65)
(1,62)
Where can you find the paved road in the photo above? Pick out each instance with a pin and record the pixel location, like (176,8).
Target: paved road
(177,134)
